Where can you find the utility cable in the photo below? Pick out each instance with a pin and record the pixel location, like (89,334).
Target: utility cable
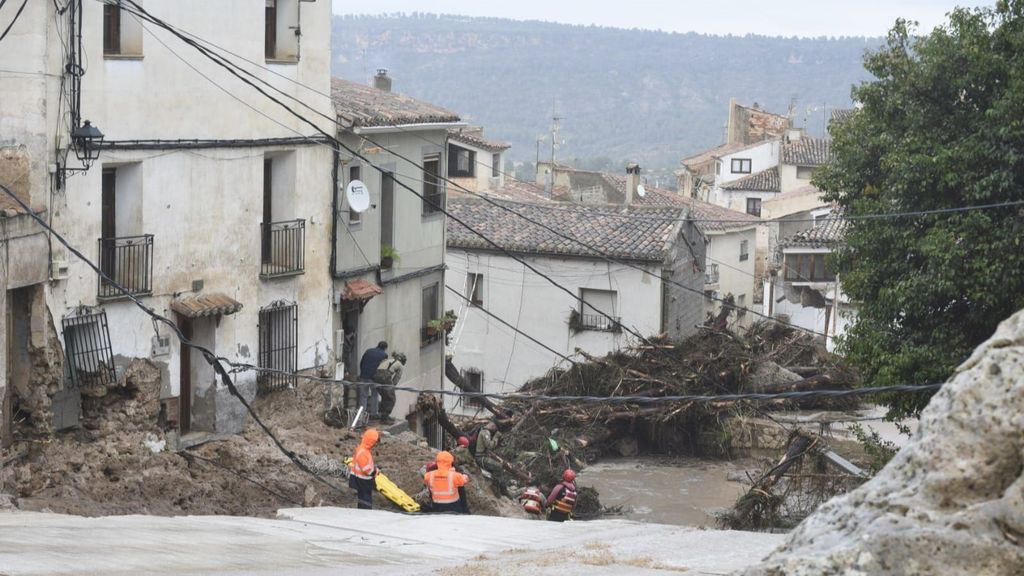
(15,19)
(435,205)
(208,354)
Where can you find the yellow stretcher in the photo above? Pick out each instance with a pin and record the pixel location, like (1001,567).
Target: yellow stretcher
(392,492)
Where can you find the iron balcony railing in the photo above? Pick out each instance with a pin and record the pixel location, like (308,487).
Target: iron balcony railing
(283,248)
(711,274)
(129,262)
(600,322)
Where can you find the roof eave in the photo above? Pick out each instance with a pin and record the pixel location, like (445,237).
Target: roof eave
(409,127)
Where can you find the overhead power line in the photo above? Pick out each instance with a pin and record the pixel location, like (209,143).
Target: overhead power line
(13,21)
(235,71)
(208,354)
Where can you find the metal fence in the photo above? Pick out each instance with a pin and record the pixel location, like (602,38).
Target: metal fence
(129,262)
(600,322)
(283,248)
(87,347)
(279,350)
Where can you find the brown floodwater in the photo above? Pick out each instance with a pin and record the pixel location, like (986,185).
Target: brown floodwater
(680,491)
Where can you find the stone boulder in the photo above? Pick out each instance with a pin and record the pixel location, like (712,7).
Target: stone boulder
(950,502)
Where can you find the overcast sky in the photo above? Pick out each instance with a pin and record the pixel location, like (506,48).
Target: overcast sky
(775,18)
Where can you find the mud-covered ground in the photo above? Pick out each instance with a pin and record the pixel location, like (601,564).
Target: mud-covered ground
(113,464)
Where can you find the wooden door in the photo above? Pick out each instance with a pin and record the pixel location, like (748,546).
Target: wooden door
(185,378)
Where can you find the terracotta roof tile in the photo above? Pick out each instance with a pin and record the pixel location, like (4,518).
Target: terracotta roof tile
(361,290)
(763,181)
(202,305)
(806,152)
(824,234)
(600,226)
(359,105)
(475,137)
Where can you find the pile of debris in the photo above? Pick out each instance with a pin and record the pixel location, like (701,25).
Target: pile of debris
(543,436)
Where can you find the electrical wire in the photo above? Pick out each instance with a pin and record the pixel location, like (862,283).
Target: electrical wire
(208,354)
(435,205)
(15,19)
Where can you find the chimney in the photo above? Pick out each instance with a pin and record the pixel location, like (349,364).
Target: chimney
(632,181)
(382,81)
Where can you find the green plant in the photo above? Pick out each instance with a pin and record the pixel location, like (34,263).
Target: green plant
(879,451)
(939,127)
(388,251)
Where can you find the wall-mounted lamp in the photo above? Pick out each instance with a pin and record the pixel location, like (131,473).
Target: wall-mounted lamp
(86,140)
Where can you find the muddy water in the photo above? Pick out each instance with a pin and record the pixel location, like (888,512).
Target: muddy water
(684,492)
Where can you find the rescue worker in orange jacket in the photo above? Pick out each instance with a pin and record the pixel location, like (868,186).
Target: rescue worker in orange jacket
(363,469)
(444,484)
(562,497)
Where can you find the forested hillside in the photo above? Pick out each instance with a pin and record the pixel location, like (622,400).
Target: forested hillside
(640,95)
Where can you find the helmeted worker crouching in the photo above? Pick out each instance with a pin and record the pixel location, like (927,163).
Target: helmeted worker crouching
(562,498)
(444,484)
(362,470)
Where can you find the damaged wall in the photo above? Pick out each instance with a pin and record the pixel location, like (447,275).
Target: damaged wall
(950,502)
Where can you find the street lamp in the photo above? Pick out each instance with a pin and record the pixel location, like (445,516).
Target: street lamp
(86,140)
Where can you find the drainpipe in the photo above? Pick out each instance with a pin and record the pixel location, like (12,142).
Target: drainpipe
(334,214)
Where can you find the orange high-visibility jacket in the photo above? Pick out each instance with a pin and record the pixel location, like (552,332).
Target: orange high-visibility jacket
(444,483)
(362,462)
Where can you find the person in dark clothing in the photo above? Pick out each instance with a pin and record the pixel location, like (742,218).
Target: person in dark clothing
(368,365)
(562,497)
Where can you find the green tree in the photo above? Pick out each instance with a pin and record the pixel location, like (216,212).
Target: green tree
(942,126)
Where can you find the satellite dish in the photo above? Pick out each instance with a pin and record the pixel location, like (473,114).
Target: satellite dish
(358,196)
(641,191)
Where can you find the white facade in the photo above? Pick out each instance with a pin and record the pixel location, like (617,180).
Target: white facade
(186,162)
(734,271)
(487,166)
(398,315)
(513,293)
(746,161)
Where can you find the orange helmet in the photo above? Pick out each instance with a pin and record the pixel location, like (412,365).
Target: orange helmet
(445,457)
(463,441)
(569,475)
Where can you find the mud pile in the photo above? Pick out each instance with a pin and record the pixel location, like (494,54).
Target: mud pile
(118,462)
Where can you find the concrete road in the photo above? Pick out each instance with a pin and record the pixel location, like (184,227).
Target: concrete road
(328,540)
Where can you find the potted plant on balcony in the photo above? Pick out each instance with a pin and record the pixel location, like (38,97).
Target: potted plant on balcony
(388,256)
(442,325)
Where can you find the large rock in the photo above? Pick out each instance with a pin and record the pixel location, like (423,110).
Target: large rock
(950,502)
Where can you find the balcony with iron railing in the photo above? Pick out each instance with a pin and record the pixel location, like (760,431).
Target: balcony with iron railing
(128,261)
(283,248)
(711,274)
(600,322)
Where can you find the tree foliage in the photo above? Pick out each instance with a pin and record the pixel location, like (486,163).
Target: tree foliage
(942,126)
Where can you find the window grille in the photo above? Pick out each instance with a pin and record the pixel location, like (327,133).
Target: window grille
(87,347)
(279,350)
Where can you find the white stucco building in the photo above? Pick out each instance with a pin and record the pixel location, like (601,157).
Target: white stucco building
(487,287)
(377,297)
(475,163)
(207,201)
(800,289)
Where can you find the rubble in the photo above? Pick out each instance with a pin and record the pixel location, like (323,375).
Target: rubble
(950,502)
(118,461)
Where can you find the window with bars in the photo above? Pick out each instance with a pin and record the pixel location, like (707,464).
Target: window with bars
(279,350)
(597,311)
(475,289)
(87,347)
(433,190)
(474,381)
(744,250)
(495,165)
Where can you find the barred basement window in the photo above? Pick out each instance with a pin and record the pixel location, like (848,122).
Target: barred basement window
(279,350)
(87,346)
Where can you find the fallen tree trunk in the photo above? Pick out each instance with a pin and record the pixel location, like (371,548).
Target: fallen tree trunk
(453,374)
